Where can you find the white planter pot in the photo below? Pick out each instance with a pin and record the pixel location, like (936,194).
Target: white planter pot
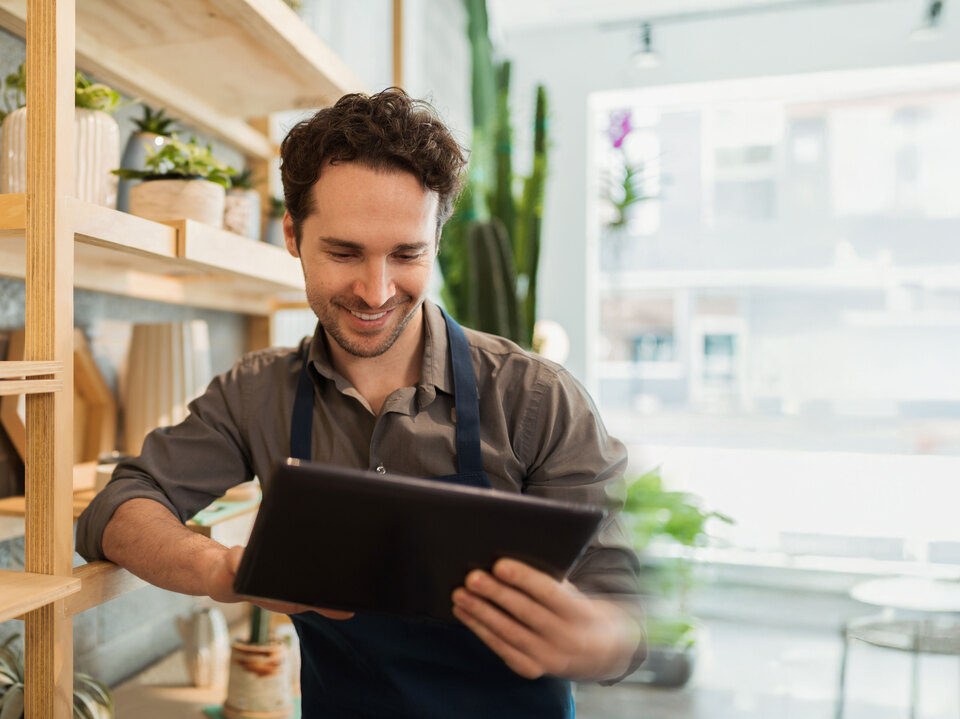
(167,367)
(259,685)
(96,153)
(179,200)
(241,213)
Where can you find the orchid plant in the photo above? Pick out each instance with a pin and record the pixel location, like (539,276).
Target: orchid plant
(627,185)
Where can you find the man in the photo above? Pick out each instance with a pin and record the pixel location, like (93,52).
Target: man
(368,184)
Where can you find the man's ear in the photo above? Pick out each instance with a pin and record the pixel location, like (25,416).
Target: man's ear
(288,235)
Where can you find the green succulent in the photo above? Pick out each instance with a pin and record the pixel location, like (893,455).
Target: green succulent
(178,159)
(242,180)
(277,208)
(155,122)
(91,698)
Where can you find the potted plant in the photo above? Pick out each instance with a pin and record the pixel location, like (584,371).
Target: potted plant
(259,686)
(182,180)
(274,234)
(153,130)
(91,699)
(96,144)
(675,520)
(241,213)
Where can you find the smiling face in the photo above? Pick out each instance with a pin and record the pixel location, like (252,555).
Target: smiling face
(367,249)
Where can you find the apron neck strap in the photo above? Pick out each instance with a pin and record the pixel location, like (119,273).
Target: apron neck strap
(465,397)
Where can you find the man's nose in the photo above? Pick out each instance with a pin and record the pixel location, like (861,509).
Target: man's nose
(376,286)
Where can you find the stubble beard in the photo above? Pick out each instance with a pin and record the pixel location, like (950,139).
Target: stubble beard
(329,314)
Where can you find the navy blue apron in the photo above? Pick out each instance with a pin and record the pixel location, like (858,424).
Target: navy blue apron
(380,668)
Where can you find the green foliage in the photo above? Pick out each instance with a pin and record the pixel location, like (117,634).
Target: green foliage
(277,208)
(677,633)
(181,160)
(654,514)
(88,95)
(294,5)
(242,180)
(14,91)
(155,122)
(95,95)
(91,698)
(259,625)
(490,248)
(626,190)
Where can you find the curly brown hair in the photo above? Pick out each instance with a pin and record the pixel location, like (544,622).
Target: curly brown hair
(386,131)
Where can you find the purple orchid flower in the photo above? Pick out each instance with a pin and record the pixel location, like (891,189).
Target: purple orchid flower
(619,127)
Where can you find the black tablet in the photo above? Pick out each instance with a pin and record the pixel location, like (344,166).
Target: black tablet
(350,539)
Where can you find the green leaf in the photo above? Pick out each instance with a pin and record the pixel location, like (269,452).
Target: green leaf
(11,704)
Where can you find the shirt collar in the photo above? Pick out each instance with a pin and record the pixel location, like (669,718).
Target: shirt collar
(435,373)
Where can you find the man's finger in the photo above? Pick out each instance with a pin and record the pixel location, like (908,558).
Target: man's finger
(501,624)
(543,588)
(518,604)
(519,662)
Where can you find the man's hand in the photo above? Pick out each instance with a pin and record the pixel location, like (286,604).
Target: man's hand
(539,626)
(221,588)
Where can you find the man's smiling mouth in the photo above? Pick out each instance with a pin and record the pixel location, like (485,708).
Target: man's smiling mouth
(365,316)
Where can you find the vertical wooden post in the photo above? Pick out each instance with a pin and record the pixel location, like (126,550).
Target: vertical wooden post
(266,174)
(49,336)
(398,43)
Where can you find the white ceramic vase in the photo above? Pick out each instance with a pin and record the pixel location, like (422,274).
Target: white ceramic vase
(178,199)
(206,646)
(96,154)
(168,366)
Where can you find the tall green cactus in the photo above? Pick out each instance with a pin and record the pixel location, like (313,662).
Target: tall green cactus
(491,246)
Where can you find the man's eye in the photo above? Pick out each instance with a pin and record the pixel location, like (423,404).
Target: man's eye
(341,255)
(407,257)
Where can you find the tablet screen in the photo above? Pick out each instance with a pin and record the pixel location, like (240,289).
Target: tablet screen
(350,539)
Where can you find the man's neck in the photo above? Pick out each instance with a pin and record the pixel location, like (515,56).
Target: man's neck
(376,378)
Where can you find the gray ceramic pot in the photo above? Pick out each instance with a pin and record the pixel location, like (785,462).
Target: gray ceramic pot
(133,158)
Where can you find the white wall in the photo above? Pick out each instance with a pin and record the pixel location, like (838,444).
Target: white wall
(574,62)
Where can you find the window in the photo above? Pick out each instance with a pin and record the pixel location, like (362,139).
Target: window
(786,333)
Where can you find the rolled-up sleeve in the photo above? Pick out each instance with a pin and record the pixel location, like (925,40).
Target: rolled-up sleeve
(572,458)
(184,467)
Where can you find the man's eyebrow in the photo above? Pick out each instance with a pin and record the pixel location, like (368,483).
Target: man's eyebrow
(341,244)
(348,245)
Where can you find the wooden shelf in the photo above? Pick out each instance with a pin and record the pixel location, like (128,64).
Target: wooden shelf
(22,592)
(212,63)
(185,262)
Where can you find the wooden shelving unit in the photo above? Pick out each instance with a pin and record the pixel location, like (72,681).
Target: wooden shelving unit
(219,65)
(213,63)
(21,592)
(182,262)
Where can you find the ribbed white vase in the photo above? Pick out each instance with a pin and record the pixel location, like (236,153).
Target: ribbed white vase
(167,367)
(96,154)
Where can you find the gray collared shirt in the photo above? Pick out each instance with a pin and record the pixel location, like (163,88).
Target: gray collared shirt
(540,434)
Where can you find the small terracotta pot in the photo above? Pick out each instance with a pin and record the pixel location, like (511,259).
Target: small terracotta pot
(259,685)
